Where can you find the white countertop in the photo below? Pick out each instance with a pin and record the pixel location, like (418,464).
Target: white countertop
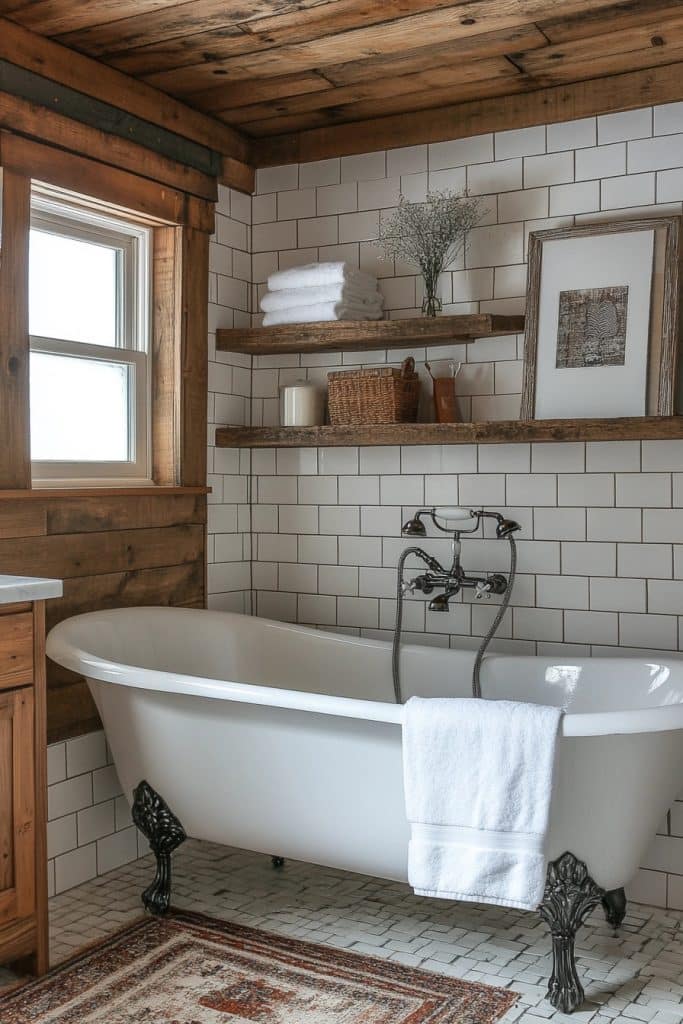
(27,588)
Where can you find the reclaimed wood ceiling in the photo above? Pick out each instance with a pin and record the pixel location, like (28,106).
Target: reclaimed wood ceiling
(280,67)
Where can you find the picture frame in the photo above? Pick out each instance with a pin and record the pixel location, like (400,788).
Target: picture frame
(603,320)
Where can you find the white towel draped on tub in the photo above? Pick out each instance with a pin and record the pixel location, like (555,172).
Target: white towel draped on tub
(478,779)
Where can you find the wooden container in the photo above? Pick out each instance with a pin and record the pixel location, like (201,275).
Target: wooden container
(382,395)
(445,405)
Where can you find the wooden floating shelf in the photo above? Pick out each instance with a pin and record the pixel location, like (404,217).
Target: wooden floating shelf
(632,428)
(363,335)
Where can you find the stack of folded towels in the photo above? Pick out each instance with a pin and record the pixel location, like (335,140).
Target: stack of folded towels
(320,291)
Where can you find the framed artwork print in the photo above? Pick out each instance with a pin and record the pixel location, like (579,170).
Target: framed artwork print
(602,320)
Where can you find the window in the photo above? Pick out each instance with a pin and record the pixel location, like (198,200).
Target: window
(89,301)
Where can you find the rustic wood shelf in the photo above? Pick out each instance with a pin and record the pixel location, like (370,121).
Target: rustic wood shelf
(635,428)
(362,335)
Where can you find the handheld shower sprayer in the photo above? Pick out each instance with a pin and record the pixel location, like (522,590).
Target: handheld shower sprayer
(451,581)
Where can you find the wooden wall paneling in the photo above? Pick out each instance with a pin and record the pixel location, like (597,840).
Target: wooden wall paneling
(65,556)
(30,50)
(15,459)
(70,708)
(542,106)
(22,519)
(104,514)
(194,360)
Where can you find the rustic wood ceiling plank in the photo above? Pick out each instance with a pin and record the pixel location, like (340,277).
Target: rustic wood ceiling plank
(452,75)
(566,102)
(388,37)
(55,17)
(321,22)
(256,90)
(197,24)
(405,103)
(627,14)
(596,52)
(191,18)
(490,44)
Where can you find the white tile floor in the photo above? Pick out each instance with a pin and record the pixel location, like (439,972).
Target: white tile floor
(637,976)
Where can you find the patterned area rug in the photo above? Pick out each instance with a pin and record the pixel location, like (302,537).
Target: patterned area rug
(189,969)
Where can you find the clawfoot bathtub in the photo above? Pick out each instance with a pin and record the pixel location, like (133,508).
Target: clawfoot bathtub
(286,740)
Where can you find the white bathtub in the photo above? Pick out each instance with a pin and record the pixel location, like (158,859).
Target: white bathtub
(286,740)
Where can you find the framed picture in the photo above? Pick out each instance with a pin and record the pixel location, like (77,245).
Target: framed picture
(602,320)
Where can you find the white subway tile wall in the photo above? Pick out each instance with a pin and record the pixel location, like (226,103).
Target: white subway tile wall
(89,830)
(230,386)
(601,551)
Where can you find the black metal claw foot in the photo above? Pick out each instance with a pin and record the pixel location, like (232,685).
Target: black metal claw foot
(614,904)
(164,832)
(277,862)
(570,895)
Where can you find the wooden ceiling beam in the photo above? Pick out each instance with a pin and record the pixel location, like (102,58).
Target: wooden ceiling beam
(40,123)
(82,74)
(542,106)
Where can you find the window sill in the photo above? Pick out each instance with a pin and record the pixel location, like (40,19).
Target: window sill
(151,491)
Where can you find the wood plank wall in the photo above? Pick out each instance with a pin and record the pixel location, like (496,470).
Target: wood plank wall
(111,551)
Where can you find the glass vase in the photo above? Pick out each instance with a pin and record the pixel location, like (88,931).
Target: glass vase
(431,304)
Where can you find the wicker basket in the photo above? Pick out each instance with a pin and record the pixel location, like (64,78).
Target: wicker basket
(382,395)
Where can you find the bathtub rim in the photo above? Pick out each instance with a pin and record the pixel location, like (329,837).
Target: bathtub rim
(665,718)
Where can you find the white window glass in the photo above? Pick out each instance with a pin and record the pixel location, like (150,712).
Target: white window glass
(89,324)
(72,289)
(79,409)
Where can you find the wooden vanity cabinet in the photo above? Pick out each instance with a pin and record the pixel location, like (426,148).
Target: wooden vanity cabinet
(23,788)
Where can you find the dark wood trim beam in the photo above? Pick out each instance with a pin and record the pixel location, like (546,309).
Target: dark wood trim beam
(35,53)
(626,91)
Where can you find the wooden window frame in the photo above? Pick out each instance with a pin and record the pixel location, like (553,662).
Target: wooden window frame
(181,226)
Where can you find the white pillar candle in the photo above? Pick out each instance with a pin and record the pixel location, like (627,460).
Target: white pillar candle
(302,404)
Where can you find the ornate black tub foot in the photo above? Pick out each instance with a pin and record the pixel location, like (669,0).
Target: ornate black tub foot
(164,833)
(277,862)
(570,895)
(614,904)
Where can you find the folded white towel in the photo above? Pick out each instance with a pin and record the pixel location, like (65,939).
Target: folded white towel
(478,777)
(314,274)
(341,292)
(323,311)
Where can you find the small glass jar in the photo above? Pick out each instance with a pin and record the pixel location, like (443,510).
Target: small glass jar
(302,404)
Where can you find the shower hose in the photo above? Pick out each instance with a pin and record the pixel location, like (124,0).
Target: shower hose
(490,633)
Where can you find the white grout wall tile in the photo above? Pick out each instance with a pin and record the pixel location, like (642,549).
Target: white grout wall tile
(601,547)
